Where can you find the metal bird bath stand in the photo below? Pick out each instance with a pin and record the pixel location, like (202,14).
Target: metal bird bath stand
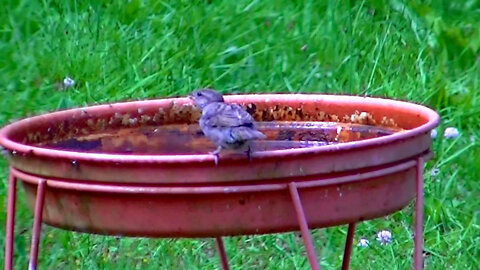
(106,178)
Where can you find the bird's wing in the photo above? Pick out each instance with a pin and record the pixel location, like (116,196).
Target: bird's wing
(227,115)
(246,134)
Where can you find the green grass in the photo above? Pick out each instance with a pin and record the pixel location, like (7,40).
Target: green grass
(422,51)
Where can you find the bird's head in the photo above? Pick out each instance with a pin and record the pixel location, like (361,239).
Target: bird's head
(203,97)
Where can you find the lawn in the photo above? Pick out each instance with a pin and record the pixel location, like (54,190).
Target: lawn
(422,51)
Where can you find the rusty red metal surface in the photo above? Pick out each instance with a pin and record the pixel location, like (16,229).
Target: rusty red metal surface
(188,196)
(220,210)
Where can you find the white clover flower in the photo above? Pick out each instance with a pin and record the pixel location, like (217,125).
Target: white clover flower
(434,172)
(68,82)
(384,237)
(451,133)
(363,242)
(433,133)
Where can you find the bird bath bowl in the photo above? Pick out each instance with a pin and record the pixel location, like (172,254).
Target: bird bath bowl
(143,169)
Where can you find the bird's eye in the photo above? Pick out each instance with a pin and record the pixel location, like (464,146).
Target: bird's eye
(199,94)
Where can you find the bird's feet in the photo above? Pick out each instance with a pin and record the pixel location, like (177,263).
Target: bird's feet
(215,154)
(215,158)
(249,154)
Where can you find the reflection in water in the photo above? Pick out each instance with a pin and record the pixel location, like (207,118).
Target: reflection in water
(189,139)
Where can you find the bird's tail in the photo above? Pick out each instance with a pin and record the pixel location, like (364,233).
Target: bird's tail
(259,135)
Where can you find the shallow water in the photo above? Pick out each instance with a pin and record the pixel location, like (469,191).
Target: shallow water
(189,139)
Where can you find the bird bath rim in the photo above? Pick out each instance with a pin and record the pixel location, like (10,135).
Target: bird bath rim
(10,144)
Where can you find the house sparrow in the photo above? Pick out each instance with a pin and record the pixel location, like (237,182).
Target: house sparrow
(227,125)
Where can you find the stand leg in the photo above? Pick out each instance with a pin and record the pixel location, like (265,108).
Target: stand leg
(10,225)
(221,253)
(348,246)
(307,239)
(418,237)
(37,224)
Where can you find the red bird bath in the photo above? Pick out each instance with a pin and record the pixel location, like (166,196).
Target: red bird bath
(143,169)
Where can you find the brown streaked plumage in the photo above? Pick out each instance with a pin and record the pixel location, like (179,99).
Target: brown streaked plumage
(227,125)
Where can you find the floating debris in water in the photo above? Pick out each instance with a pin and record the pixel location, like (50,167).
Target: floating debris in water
(130,134)
(451,133)
(384,237)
